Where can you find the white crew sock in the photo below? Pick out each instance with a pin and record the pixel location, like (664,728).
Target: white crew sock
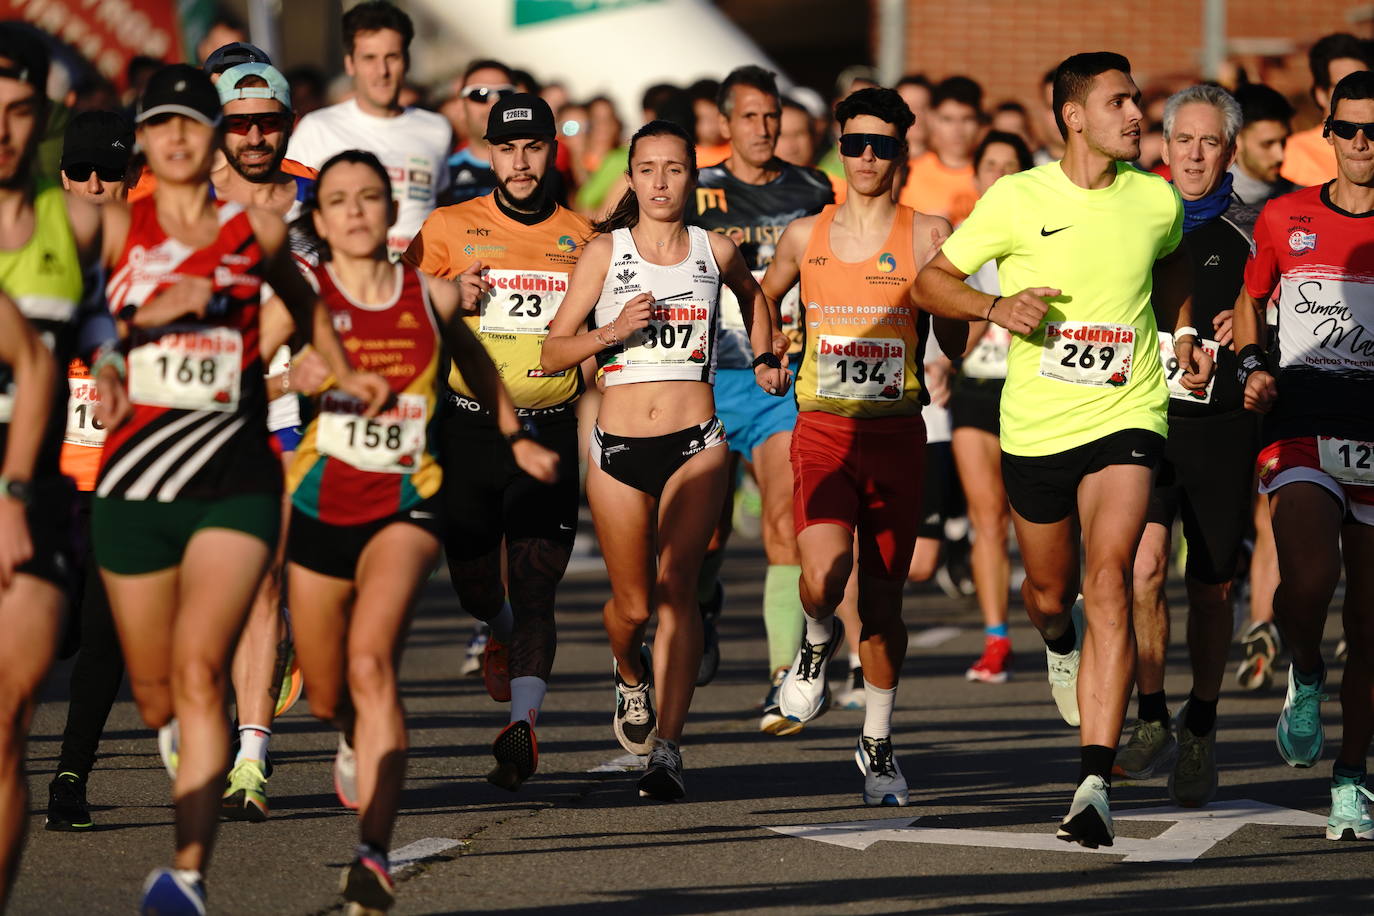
(878,710)
(253,743)
(503,624)
(526,698)
(818,632)
(854,661)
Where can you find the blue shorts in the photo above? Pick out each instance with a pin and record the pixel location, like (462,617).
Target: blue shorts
(750,414)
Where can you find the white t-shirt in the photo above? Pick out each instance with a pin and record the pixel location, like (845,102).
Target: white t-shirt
(414,146)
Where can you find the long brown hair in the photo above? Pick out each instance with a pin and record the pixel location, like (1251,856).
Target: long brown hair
(626,212)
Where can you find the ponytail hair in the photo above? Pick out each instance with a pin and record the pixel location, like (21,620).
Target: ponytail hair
(626,212)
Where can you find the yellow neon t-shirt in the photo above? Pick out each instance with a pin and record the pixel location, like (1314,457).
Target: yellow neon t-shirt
(1092,367)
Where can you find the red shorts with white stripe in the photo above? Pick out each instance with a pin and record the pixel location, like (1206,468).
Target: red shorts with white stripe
(1343,467)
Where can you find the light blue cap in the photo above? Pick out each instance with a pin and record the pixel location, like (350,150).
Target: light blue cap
(277,87)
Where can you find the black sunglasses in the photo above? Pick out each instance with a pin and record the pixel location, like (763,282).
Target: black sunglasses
(484,94)
(81,171)
(268,122)
(884,147)
(1346,130)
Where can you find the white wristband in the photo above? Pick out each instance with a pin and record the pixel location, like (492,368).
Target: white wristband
(1185,331)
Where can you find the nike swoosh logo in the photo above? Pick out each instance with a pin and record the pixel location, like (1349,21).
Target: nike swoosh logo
(1135,454)
(565,527)
(1048,232)
(414,514)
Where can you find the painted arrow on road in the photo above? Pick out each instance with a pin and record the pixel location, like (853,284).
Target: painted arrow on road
(1193,833)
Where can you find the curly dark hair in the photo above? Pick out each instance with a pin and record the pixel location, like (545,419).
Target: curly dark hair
(883,104)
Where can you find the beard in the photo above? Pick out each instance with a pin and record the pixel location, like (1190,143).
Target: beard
(258,173)
(534,200)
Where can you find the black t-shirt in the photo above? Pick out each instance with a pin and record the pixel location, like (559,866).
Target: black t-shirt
(1218,250)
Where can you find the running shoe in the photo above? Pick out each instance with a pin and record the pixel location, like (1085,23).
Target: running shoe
(1193,783)
(168,892)
(884,783)
(517,756)
(67,808)
(710,636)
(1089,821)
(292,682)
(995,665)
(1063,670)
(852,697)
(772,718)
(634,723)
(1349,818)
(245,798)
(169,746)
(805,693)
(1342,650)
(662,779)
(496,670)
(366,884)
(1150,750)
(477,645)
(1299,731)
(346,774)
(1262,645)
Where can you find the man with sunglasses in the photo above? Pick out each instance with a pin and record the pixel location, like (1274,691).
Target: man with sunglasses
(257,129)
(1092,247)
(752,197)
(484,83)
(1316,248)
(411,143)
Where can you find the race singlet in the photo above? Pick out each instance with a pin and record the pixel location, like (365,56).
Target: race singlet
(678,334)
(1087,353)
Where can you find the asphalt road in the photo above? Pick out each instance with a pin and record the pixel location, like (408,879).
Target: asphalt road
(990,767)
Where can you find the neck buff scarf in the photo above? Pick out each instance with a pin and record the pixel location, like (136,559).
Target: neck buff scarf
(1205,209)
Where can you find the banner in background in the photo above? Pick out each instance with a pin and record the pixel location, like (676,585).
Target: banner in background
(531,12)
(108,33)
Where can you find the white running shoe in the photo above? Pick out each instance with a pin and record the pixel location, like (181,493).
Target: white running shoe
(1089,821)
(772,718)
(169,747)
(477,647)
(1063,670)
(346,774)
(884,783)
(853,696)
(633,722)
(805,693)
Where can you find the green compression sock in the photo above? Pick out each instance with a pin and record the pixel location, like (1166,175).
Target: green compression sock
(783,617)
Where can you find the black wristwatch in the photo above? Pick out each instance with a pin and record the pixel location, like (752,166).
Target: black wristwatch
(766,359)
(21,490)
(526,431)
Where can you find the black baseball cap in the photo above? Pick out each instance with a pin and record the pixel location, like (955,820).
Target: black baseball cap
(22,46)
(521,116)
(180,89)
(100,138)
(233,54)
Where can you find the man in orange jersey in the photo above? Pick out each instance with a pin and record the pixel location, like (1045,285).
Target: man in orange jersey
(1308,157)
(940,180)
(858,445)
(512,253)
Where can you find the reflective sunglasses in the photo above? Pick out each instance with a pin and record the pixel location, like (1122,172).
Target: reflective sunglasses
(269,122)
(81,171)
(884,147)
(1346,130)
(485,95)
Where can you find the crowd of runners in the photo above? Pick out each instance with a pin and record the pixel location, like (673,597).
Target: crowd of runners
(261,366)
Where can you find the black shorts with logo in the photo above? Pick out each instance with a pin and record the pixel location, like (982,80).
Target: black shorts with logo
(1044,489)
(334,550)
(1207,476)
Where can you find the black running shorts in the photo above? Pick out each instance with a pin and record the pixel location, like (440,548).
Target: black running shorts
(334,550)
(1044,489)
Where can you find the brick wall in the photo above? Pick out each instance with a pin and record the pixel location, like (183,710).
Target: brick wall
(1007,45)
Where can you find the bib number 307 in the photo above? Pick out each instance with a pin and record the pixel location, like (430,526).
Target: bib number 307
(1347,460)
(390,443)
(1083,353)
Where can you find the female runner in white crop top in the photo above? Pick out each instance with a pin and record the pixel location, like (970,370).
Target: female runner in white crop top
(654,467)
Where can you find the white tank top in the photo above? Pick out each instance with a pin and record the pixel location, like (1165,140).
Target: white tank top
(679,343)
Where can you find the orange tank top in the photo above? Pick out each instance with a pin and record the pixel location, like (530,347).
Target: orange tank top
(863,332)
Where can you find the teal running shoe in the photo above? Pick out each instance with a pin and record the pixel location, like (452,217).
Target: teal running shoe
(1299,731)
(1349,818)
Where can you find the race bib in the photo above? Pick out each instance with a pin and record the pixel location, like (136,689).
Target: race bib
(391,442)
(989,357)
(678,334)
(1349,461)
(194,369)
(521,301)
(1173,372)
(82,427)
(860,368)
(1084,353)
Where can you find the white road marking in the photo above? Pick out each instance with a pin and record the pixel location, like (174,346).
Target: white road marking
(935,636)
(1193,833)
(622,764)
(414,853)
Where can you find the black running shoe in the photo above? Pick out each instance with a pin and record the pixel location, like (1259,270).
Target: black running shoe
(517,756)
(710,638)
(67,808)
(662,779)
